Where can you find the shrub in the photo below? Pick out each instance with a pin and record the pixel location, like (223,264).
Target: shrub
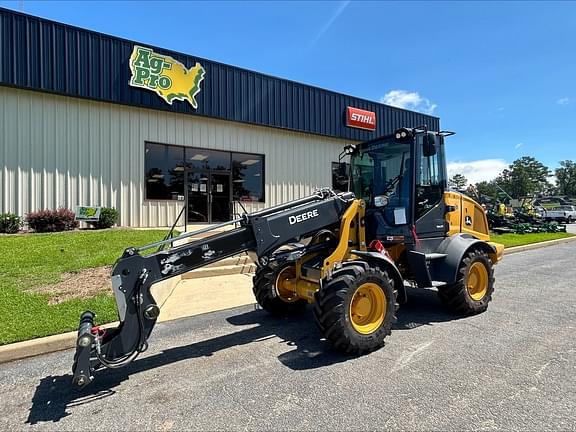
(10,223)
(52,220)
(108,218)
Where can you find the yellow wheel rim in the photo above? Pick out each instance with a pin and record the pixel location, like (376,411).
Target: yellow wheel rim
(283,284)
(368,308)
(477,281)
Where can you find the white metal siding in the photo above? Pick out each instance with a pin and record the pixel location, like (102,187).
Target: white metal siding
(62,151)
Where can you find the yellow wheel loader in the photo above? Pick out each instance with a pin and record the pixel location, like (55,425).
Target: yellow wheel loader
(350,255)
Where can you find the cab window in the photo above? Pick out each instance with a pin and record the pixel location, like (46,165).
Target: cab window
(431,179)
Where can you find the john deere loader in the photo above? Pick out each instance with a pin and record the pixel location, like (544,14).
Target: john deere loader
(348,255)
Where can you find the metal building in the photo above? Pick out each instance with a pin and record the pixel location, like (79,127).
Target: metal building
(88,119)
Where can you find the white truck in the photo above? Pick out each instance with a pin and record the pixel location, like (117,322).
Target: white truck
(565,213)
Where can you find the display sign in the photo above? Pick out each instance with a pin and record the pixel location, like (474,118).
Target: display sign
(165,76)
(361,119)
(84,213)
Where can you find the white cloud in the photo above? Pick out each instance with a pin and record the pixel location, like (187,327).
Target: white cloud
(408,100)
(479,170)
(501,109)
(517,146)
(563,101)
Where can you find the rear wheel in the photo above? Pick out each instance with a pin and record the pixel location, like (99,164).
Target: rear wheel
(356,308)
(473,289)
(272,293)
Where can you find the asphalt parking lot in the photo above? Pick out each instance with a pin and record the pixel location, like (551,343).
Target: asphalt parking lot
(513,367)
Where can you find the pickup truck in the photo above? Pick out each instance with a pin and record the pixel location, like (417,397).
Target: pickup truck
(566,213)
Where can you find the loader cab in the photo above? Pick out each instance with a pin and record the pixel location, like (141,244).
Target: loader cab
(402,178)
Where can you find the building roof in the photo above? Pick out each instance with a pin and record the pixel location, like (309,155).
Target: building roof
(43,55)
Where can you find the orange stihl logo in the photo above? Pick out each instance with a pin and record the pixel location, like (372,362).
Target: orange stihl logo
(360,119)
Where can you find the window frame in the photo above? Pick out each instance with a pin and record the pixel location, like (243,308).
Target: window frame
(144,171)
(230,152)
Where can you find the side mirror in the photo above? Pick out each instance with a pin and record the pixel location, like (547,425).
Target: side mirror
(429,145)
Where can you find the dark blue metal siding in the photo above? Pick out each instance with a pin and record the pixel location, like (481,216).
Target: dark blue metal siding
(43,55)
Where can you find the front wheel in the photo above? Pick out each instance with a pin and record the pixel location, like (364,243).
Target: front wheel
(473,289)
(271,290)
(356,308)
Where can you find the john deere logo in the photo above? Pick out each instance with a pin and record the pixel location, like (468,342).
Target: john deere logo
(167,77)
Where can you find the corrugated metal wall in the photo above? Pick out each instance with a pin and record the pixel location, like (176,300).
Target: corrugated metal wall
(58,150)
(43,55)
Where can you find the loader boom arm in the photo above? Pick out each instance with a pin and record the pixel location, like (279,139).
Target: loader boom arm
(259,233)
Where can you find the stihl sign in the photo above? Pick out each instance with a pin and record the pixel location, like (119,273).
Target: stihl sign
(360,119)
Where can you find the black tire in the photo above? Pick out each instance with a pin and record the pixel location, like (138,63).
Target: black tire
(333,305)
(264,288)
(569,220)
(457,297)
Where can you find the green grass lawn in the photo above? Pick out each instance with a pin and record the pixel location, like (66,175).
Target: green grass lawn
(510,240)
(34,260)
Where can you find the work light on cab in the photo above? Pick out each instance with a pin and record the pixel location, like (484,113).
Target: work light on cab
(403,133)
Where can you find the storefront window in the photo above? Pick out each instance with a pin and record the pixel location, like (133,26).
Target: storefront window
(164,171)
(166,165)
(248,177)
(202,159)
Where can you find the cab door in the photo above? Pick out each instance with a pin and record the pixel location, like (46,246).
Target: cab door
(429,206)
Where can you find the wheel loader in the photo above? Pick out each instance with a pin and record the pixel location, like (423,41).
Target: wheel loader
(349,255)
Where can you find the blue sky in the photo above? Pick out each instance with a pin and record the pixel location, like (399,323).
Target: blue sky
(502,75)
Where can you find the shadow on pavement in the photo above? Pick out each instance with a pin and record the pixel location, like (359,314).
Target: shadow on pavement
(55,394)
(423,308)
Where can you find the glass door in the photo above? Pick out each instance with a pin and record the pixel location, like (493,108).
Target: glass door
(197,196)
(220,197)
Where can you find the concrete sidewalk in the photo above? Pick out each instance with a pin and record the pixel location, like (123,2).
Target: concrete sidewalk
(197,296)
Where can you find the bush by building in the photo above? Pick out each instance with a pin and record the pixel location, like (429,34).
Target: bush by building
(46,220)
(108,218)
(10,223)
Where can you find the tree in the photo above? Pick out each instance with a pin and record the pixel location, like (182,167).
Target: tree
(524,177)
(489,189)
(566,178)
(458,181)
